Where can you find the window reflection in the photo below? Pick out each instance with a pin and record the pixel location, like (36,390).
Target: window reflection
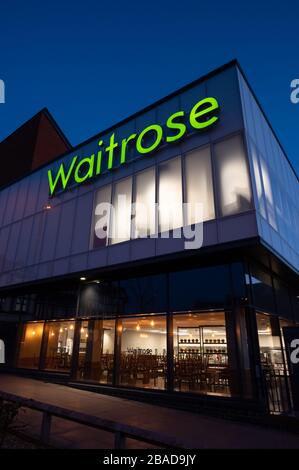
(60,340)
(143,352)
(96,351)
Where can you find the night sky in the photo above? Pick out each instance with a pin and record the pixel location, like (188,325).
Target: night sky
(94,63)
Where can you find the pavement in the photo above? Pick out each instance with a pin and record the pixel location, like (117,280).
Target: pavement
(194,430)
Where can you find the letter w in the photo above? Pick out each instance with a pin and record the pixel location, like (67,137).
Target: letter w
(60,175)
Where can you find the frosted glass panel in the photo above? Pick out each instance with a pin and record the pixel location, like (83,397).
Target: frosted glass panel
(144,221)
(102,216)
(232,177)
(170,195)
(199,184)
(121,213)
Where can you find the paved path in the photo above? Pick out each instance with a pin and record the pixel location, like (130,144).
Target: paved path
(193,429)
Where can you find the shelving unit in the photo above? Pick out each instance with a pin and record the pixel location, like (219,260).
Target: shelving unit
(207,341)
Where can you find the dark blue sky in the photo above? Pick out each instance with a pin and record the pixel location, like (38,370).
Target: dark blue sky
(93,63)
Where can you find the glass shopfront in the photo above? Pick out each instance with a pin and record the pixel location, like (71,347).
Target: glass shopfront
(59,339)
(201,354)
(132,351)
(143,357)
(96,351)
(30,345)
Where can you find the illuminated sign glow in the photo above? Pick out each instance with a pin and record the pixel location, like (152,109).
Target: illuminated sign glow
(202,115)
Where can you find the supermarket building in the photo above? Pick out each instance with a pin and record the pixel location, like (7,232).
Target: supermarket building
(142,316)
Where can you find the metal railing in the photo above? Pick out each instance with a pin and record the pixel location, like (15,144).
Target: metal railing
(121,431)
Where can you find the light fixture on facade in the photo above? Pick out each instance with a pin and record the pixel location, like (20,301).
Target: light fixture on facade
(82,278)
(48,206)
(97,282)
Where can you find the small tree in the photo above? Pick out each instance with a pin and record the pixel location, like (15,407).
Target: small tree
(8,412)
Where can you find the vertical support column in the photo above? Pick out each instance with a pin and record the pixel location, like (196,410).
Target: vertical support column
(170,362)
(117,351)
(76,347)
(232,351)
(242,339)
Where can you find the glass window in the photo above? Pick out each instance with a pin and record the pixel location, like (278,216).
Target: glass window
(145,224)
(60,339)
(121,214)
(201,362)
(272,361)
(269,341)
(101,216)
(262,289)
(170,195)
(199,184)
(196,288)
(283,299)
(96,352)
(143,295)
(143,352)
(30,345)
(99,298)
(232,177)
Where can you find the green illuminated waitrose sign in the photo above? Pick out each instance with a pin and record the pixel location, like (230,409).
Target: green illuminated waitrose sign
(202,115)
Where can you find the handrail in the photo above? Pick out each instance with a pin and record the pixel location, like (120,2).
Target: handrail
(121,431)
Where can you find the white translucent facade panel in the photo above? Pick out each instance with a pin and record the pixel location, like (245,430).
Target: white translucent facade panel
(199,185)
(170,197)
(232,177)
(102,216)
(145,195)
(121,213)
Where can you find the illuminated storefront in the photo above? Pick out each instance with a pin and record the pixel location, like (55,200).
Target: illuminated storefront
(115,281)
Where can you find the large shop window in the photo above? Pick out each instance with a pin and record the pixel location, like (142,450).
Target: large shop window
(143,352)
(96,351)
(201,362)
(170,195)
(31,345)
(60,339)
(199,185)
(232,176)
